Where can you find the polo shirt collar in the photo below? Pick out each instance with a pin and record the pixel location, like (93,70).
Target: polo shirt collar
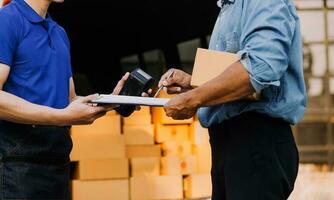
(28,12)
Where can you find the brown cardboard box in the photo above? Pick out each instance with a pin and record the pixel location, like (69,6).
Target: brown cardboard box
(174,165)
(137,120)
(89,146)
(154,188)
(198,134)
(203,157)
(100,190)
(145,166)
(165,133)
(102,169)
(139,135)
(170,165)
(143,151)
(109,124)
(198,186)
(209,64)
(188,165)
(160,117)
(144,110)
(177,148)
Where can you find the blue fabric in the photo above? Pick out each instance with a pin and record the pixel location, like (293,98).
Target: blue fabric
(38,53)
(266,34)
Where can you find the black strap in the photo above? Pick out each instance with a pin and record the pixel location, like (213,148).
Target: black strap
(36,160)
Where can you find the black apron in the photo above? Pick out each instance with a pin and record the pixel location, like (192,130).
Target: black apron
(34,162)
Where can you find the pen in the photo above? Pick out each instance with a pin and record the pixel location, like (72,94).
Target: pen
(161,87)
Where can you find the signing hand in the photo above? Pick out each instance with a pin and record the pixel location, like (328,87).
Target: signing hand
(178,83)
(183,106)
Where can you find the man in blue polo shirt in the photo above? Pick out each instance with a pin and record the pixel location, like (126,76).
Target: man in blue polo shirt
(37,102)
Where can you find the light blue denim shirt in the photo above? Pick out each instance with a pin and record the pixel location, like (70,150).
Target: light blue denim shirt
(266,34)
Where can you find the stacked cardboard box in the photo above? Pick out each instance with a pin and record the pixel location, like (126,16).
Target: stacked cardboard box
(101,167)
(144,156)
(185,152)
(146,181)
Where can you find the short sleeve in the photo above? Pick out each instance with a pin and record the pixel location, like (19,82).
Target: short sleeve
(8,38)
(68,45)
(268,32)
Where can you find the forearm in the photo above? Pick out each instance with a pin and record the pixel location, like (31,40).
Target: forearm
(231,85)
(15,109)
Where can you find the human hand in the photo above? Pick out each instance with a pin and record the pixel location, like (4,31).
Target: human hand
(81,112)
(120,86)
(183,106)
(176,84)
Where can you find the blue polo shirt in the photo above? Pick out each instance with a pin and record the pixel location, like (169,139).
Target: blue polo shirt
(37,51)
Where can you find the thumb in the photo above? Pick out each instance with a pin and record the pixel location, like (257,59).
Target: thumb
(89,98)
(169,82)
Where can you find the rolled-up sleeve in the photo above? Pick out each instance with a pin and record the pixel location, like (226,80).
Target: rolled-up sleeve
(268,29)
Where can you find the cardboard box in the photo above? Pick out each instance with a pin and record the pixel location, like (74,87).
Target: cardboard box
(109,124)
(188,165)
(174,165)
(198,134)
(203,157)
(181,149)
(209,64)
(165,133)
(170,165)
(144,110)
(159,117)
(139,135)
(154,188)
(143,151)
(145,166)
(89,146)
(102,169)
(197,186)
(137,120)
(100,190)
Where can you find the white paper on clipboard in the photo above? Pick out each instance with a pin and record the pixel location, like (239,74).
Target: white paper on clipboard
(130,100)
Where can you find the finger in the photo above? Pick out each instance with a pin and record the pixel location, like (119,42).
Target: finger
(150,91)
(98,109)
(138,108)
(121,84)
(144,94)
(175,80)
(165,76)
(89,98)
(172,90)
(99,115)
(110,108)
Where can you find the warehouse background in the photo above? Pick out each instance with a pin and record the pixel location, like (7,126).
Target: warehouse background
(149,156)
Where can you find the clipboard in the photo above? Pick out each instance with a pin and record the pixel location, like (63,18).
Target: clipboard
(130,100)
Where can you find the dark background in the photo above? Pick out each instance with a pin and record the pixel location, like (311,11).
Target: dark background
(103,32)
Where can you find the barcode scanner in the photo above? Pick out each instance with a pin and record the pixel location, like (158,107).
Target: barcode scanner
(137,83)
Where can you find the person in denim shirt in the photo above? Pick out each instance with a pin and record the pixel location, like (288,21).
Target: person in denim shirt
(254,155)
